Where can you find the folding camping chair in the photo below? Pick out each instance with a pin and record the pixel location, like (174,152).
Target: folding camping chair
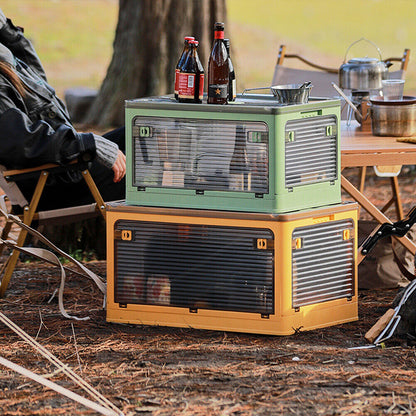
(404,62)
(321,76)
(8,184)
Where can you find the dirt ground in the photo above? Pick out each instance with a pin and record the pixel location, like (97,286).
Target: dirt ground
(147,370)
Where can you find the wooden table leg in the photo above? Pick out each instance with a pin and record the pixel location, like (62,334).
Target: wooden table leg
(397,200)
(374,211)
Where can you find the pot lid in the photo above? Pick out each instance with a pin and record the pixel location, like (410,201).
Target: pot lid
(365,61)
(407,99)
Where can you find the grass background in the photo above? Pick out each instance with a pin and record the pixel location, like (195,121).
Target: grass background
(74,37)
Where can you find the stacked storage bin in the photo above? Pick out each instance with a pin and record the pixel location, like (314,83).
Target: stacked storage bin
(233,218)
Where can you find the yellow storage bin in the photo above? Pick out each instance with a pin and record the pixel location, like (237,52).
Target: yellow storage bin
(230,271)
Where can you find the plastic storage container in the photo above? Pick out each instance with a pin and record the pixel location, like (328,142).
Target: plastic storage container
(245,272)
(251,155)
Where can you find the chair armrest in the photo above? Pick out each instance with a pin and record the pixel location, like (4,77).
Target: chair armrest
(281,55)
(16,174)
(313,65)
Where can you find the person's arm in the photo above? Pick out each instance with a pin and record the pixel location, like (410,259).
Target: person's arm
(109,155)
(119,167)
(76,145)
(26,144)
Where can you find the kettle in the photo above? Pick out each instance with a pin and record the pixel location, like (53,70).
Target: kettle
(363,73)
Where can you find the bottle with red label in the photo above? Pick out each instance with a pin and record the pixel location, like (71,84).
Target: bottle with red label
(218,68)
(181,60)
(191,77)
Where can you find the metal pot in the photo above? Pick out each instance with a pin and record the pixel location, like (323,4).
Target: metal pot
(292,93)
(393,117)
(289,93)
(363,73)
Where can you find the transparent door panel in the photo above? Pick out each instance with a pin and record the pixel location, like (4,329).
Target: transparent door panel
(201,154)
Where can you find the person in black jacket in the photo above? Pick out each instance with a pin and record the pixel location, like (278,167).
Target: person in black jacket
(35,128)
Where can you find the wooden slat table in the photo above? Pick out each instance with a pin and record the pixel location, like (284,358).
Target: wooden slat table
(361,149)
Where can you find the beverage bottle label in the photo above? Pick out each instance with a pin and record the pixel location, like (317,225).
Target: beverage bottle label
(186,85)
(176,80)
(234,88)
(218,90)
(201,86)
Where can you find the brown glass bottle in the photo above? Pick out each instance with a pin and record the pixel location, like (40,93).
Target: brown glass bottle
(232,92)
(191,77)
(239,175)
(218,68)
(181,60)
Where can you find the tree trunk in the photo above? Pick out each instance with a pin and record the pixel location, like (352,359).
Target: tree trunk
(148,41)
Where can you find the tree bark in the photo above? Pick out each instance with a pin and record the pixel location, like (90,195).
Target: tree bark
(148,41)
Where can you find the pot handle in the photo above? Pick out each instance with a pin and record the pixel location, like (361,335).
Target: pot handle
(254,89)
(359,40)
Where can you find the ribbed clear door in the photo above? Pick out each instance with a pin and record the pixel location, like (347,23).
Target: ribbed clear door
(322,262)
(311,151)
(194,266)
(200,154)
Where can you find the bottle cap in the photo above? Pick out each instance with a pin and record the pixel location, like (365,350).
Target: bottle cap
(219,26)
(193,42)
(188,38)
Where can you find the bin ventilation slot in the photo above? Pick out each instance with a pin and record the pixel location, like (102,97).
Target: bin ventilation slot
(311,156)
(323,265)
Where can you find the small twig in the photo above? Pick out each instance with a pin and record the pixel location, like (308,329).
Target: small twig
(54,373)
(400,406)
(186,407)
(358,375)
(392,406)
(40,325)
(76,348)
(351,410)
(53,295)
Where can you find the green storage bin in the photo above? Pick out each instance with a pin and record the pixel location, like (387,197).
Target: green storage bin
(251,155)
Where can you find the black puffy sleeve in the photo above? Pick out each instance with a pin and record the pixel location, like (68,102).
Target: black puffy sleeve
(26,144)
